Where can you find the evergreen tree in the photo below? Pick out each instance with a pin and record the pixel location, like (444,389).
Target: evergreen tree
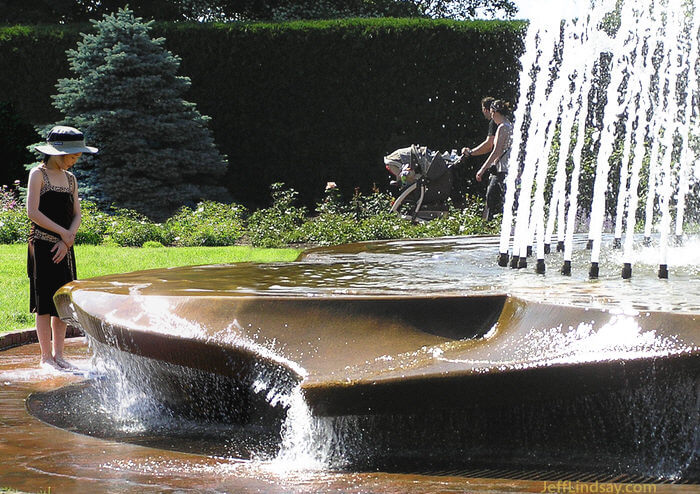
(156,152)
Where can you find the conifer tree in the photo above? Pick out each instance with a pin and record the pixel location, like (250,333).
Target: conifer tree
(156,152)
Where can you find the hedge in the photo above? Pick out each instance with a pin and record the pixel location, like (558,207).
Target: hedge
(307,102)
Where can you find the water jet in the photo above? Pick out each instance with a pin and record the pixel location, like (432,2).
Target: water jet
(627,271)
(540,268)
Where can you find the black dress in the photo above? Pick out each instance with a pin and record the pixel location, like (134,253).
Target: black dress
(46,276)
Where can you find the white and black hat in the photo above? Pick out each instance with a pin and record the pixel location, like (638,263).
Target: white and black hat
(65,140)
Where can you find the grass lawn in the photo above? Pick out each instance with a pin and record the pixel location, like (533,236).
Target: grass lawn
(100,260)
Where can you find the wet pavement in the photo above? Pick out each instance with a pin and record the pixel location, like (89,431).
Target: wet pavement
(37,457)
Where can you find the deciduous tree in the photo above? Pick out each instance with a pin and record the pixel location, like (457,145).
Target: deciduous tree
(62,11)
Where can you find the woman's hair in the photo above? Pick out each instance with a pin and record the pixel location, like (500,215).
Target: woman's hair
(502,106)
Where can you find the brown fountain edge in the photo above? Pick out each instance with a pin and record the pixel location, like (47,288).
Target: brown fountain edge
(20,337)
(371,327)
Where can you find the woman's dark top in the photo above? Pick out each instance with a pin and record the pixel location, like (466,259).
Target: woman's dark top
(46,276)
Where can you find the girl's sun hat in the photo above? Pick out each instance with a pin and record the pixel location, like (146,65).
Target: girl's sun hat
(64,140)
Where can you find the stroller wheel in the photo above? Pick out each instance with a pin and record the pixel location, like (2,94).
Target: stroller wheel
(404,199)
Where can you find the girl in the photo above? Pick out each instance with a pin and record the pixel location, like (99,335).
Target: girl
(54,211)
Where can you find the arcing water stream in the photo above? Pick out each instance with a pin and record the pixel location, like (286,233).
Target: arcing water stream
(608,102)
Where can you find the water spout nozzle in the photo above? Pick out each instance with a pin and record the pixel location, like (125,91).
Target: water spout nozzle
(522,263)
(663,271)
(589,245)
(566,268)
(593,272)
(529,250)
(540,268)
(560,246)
(514,261)
(617,243)
(503,259)
(626,271)
(547,248)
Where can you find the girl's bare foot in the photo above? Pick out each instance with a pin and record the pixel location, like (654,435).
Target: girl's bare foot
(50,365)
(63,364)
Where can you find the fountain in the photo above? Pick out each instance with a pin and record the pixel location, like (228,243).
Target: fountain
(339,354)
(428,356)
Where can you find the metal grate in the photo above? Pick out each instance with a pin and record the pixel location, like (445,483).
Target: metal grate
(553,475)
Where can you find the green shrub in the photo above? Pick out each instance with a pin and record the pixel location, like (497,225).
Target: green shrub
(128,228)
(279,224)
(467,221)
(93,225)
(152,245)
(368,205)
(330,229)
(14,226)
(333,202)
(385,226)
(210,224)
(363,217)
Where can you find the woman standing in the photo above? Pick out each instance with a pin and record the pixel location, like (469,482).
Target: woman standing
(54,211)
(497,162)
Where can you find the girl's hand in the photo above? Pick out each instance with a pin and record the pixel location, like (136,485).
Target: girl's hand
(60,250)
(479,175)
(68,238)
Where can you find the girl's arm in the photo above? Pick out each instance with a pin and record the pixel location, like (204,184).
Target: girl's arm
(33,213)
(77,214)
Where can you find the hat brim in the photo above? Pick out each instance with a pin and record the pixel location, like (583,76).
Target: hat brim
(50,150)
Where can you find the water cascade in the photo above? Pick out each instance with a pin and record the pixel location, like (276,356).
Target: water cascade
(606,103)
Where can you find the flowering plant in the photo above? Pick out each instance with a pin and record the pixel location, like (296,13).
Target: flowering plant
(9,197)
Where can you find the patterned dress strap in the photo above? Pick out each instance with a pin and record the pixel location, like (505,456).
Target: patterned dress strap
(71,183)
(47,183)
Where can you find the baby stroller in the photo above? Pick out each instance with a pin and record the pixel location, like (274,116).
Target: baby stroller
(425,181)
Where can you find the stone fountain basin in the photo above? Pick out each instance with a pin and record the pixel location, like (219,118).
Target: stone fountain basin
(367,354)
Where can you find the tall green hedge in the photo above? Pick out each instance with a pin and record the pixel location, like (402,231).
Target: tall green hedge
(307,102)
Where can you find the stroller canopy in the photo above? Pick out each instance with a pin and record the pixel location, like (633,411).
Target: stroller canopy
(420,159)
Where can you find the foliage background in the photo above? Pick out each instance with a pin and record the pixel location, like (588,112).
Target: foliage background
(156,151)
(310,101)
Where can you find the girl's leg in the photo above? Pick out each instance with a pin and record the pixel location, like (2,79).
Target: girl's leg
(43,333)
(59,338)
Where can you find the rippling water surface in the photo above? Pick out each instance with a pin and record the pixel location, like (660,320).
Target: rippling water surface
(459,265)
